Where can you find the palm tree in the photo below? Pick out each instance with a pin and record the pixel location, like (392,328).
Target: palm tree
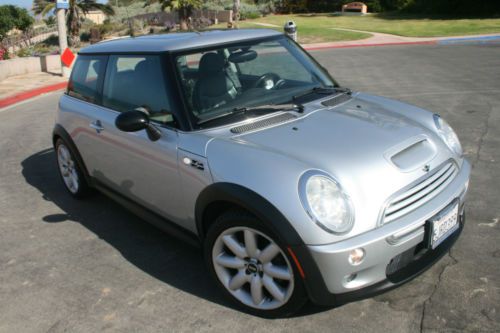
(183,7)
(76,9)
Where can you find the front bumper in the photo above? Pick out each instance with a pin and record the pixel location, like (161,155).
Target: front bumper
(394,253)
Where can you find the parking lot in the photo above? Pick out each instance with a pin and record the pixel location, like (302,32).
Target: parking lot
(87,266)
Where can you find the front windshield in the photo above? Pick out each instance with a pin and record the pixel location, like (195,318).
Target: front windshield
(219,82)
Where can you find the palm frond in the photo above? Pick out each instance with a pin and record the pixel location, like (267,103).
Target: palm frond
(39,5)
(48,8)
(106,9)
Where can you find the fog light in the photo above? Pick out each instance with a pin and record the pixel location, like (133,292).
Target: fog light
(356,256)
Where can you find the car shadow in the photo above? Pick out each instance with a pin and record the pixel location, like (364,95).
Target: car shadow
(154,252)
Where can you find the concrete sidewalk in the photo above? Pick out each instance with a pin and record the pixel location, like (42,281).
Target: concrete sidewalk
(26,82)
(381,39)
(21,87)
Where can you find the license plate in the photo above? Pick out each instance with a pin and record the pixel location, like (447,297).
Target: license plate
(443,226)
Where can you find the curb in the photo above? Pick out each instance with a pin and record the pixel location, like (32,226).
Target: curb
(31,93)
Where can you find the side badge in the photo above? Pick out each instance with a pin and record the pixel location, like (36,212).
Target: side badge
(193,163)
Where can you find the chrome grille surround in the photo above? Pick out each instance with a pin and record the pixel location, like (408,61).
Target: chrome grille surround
(418,193)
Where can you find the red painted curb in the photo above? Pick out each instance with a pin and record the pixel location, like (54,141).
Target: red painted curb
(31,93)
(343,46)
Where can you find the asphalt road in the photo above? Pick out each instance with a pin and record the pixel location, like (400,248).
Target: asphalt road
(89,266)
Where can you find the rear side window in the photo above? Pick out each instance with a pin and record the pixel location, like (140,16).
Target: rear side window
(86,76)
(136,81)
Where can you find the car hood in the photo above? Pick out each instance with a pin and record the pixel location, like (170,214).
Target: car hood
(361,132)
(372,146)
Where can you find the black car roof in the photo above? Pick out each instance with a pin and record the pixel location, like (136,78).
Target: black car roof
(176,41)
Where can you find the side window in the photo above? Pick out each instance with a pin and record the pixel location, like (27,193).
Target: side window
(85,77)
(136,81)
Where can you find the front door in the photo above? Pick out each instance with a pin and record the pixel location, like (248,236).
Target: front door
(130,163)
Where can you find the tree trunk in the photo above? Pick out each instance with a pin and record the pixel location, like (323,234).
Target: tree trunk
(183,23)
(236,13)
(183,18)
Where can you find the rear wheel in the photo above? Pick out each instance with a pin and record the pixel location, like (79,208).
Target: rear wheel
(250,264)
(70,172)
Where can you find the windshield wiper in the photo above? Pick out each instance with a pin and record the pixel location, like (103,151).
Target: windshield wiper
(328,90)
(245,109)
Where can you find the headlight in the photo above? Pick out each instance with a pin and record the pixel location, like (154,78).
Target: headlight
(448,134)
(325,202)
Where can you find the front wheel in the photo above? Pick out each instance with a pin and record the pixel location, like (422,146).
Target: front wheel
(252,267)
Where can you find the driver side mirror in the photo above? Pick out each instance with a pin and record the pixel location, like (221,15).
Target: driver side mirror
(134,121)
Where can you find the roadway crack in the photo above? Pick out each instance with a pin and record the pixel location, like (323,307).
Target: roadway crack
(453,262)
(483,134)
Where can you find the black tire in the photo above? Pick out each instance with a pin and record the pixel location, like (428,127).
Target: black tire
(83,189)
(239,218)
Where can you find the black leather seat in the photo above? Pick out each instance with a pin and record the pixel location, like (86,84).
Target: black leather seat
(214,87)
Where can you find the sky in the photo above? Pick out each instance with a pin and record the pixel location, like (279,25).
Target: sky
(23,3)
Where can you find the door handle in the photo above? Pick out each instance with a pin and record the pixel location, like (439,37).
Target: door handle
(97,126)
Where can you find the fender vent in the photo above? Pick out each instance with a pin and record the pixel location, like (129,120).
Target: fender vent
(336,100)
(284,117)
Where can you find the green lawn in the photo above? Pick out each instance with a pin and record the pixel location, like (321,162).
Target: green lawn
(308,33)
(316,27)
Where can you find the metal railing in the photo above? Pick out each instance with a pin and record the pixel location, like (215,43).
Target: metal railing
(28,37)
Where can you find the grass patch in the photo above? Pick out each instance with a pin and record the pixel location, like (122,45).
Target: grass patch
(316,26)
(308,33)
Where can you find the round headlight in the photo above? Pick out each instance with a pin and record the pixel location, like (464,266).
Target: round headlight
(448,135)
(326,203)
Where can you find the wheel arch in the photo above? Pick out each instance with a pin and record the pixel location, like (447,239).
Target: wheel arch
(220,197)
(228,195)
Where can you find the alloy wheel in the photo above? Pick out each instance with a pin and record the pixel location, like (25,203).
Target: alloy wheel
(253,268)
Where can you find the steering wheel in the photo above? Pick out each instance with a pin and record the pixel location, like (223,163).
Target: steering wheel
(269,81)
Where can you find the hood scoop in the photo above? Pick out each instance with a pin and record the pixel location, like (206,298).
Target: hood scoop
(412,154)
(336,100)
(284,117)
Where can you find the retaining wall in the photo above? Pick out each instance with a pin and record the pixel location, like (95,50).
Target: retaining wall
(25,65)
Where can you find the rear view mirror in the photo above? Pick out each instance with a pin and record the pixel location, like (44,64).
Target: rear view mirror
(242,56)
(133,121)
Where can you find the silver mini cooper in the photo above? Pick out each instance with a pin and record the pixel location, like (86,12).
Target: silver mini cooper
(240,142)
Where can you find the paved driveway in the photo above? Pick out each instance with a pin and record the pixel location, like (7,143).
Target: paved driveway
(90,266)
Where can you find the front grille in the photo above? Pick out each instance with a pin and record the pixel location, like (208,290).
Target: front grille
(418,194)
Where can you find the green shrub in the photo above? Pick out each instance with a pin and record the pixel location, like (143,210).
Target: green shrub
(85,36)
(249,11)
(217,4)
(24,52)
(40,49)
(107,27)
